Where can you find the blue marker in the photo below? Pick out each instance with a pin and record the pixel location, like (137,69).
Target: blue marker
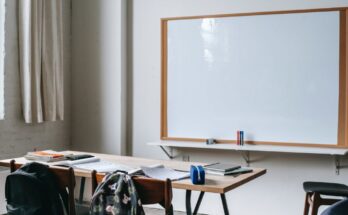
(242,138)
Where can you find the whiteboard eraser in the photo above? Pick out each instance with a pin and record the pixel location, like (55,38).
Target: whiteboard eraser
(210,141)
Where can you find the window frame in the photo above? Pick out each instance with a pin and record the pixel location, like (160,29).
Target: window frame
(2,57)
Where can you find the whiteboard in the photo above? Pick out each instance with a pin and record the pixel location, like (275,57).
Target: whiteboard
(273,76)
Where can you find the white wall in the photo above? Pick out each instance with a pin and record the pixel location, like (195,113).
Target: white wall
(280,191)
(98,90)
(98,78)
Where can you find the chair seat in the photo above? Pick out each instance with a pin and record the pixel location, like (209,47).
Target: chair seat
(332,189)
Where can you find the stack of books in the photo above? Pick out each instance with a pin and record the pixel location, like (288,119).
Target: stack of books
(78,161)
(60,158)
(45,156)
(225,169)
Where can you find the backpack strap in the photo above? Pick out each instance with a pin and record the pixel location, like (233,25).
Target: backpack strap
(120,171)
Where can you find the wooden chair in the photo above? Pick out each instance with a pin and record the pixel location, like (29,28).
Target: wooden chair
(314,190)
(150,191)
(65,178)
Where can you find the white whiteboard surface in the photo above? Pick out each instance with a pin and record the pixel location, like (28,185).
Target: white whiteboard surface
(273,76)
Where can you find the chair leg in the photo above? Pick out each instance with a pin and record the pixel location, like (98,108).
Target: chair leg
(12,166)
(316,203)
(306,206)
(170,211)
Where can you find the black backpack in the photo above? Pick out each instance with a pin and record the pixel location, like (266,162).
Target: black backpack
(33,190)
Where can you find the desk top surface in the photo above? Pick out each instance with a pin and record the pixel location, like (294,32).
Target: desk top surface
(214,184)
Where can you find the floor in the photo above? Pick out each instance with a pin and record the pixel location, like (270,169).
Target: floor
(154,211)
(148,211)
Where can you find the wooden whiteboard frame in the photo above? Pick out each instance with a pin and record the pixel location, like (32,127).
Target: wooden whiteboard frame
(342,136)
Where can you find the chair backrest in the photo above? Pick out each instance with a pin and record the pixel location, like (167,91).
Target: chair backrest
(150,191)
(65,178)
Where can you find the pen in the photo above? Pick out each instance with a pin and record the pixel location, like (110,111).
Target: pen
(210,164)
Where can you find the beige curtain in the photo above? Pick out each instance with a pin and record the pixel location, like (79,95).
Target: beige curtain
(41,59)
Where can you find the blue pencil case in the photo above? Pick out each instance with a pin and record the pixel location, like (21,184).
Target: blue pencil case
(197,175)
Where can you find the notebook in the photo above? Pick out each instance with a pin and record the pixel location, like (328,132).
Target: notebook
(221,167)
(233,172)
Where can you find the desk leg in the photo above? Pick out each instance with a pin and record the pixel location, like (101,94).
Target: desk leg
(188,202)
(198,203)
(224,204)
(82,189)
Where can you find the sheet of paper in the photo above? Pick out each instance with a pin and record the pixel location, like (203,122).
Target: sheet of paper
(162,173)
(75,162)
(103,166)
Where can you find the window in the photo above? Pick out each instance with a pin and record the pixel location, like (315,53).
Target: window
(2,56)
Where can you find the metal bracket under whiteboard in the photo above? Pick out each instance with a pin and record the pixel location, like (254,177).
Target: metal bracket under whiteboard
(246,157)
(338,165)
(169,154)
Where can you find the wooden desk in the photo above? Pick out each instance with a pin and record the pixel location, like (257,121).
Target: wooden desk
(214,184)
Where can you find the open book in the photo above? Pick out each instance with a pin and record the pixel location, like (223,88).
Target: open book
(162,173)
